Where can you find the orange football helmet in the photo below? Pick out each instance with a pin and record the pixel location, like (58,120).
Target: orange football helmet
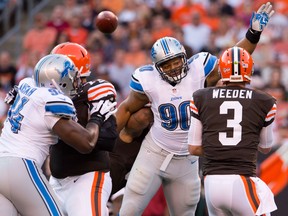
(236,65)
(77,53)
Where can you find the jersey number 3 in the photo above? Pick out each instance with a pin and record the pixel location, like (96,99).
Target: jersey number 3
(232,123)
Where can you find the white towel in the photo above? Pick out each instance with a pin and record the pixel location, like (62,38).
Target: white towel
(266,197)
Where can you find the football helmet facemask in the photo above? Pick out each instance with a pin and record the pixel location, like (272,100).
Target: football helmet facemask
(78,54)
(236,65)
(57,71)
(164,53)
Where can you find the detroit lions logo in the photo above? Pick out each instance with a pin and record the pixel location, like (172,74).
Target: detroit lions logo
(262,18)
(67,66)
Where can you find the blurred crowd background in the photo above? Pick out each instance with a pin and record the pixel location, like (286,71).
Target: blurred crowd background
(201,25)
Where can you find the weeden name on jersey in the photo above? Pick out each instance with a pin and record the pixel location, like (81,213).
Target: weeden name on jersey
(232,93)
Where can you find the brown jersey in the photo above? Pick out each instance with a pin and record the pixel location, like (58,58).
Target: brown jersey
(232,119)
(66,161)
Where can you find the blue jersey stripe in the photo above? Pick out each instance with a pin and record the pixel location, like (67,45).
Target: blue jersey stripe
(210,64)
(42,188)
(60,109)
(135,85)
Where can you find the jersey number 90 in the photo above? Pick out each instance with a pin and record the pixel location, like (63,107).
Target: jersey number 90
(172,116)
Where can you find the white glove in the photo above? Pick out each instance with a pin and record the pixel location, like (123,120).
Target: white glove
(260,19)
(101,110)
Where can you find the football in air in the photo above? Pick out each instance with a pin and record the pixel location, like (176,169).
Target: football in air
(106,22)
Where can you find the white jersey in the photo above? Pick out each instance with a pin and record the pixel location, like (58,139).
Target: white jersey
(27,131)
(170,104)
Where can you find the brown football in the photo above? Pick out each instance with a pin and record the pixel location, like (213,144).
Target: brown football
(106,22)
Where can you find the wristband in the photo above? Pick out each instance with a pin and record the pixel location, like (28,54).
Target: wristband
(94,118)
(253,36)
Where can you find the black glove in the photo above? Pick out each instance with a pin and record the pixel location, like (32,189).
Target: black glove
(101,110)
(11,95)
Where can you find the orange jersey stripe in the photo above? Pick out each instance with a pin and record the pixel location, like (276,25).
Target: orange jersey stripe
(251,193)
(268,116)
(93,193)
(99,87)
(100,193)
(195,109)
(103,92)
(96,193)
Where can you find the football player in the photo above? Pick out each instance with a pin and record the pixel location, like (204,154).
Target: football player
(168,84)
(229,125)
(40,113)
(83,182)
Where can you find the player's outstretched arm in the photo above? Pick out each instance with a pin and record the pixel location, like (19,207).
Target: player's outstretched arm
(258,22)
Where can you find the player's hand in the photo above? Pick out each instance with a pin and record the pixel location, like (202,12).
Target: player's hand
(260,19)
(11,95)
(101,110)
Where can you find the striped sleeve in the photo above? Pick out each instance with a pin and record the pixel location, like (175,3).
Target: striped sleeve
(136,85)
(60,108)
(193,109)
(270,115)
(209,63)
(101,90)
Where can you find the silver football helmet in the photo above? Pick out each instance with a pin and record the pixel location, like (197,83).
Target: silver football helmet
(57,71)
(165,49)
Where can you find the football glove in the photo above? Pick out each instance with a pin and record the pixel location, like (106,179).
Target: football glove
(101,110)
(11,95)
(260,18)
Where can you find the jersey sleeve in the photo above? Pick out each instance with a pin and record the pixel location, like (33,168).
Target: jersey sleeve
(205,59)
(195,129)
(193,109)
(266,137)
(270,115)
(135,85)
(56,103)
(60,108)
(100,89)
(135,82)
(57,106)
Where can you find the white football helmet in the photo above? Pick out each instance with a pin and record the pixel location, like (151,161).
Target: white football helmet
(165,49)
(57,71)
